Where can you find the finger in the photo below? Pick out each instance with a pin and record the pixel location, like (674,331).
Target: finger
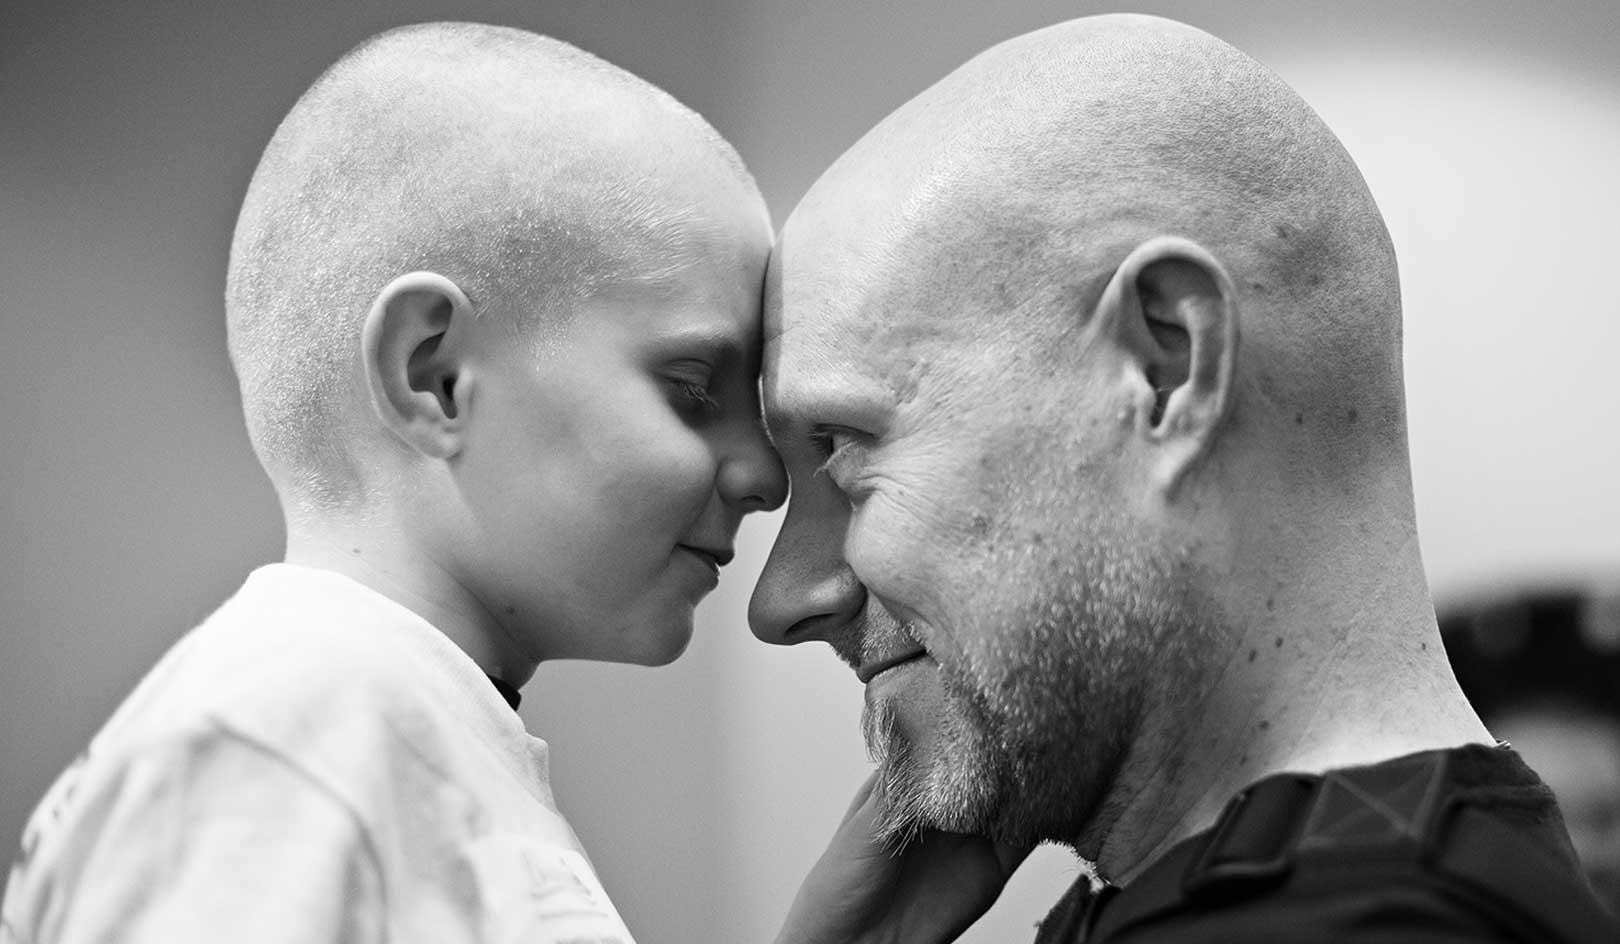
(863,794)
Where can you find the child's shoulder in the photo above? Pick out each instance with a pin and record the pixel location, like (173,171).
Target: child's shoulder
(307,717)
(308,666)
(295,639)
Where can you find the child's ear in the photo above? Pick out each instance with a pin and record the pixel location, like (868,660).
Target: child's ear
(413,348)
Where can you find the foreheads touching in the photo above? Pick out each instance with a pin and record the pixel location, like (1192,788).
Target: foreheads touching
(526,172)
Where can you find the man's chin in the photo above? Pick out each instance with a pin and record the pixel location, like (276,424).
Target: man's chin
(933,792)
(900,816)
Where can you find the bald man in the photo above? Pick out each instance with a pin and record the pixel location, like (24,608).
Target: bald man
(1086,368)
(494,308)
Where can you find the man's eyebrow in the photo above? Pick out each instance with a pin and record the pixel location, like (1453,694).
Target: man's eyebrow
(862,403)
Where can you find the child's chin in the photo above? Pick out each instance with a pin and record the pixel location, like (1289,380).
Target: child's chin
(662,649)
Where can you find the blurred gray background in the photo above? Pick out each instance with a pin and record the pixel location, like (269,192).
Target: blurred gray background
(130,504)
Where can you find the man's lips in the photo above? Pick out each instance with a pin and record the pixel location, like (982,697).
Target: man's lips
(870,670)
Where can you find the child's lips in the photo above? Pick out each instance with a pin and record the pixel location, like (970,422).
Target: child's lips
(714,559)
(719,554)
(872,669)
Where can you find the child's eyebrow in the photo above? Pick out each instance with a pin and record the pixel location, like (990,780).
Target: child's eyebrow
(718,344)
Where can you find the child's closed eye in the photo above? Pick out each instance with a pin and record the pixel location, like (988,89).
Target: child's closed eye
(695,397)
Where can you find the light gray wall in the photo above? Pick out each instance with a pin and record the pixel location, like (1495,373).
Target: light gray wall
(130,504)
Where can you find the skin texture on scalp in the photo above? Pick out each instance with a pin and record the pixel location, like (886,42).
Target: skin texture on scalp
(1031,170)
(514,164)
(1115,655)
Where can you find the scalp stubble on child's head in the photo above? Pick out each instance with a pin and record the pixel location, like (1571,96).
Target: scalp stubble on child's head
(475,175)
(524,169)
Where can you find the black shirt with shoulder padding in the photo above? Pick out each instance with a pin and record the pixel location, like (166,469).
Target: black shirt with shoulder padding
(1459,845)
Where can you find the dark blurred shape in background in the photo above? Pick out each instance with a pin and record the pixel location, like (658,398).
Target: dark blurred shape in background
(1542,667)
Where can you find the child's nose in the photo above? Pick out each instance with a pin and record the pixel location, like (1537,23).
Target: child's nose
(751,474)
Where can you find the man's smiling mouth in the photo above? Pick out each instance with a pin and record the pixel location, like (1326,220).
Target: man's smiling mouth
(871,670)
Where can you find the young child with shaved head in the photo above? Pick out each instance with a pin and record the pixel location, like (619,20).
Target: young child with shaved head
(494,308)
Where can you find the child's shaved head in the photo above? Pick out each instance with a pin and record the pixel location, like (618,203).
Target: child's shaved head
(523,169)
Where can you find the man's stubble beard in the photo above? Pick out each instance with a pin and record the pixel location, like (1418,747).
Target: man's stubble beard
(1037,728)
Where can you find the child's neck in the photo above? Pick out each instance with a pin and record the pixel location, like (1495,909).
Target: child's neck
(387,563)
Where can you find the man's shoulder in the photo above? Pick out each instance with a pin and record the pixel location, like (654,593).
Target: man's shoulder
(1460,845)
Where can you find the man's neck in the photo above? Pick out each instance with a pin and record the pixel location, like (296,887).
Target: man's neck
(1314,684)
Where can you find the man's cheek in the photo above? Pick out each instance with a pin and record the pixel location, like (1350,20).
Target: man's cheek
(899,556)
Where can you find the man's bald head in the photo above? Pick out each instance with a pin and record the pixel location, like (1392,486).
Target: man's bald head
(523,169)
(1085,365)
(1007,194)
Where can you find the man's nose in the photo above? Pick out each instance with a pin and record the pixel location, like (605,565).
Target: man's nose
(807,592)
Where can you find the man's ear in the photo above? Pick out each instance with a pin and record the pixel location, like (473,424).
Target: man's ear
(1171,309)
(413,348)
